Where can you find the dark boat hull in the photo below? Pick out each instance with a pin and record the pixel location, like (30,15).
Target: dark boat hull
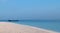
(13,20)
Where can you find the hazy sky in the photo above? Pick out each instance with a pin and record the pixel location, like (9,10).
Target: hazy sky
(30,9)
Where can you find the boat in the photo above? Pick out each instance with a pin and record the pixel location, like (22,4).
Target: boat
(12,20)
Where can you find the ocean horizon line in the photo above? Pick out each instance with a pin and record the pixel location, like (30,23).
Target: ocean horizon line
(34,20)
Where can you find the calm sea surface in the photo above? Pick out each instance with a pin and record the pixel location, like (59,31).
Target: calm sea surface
(50,25)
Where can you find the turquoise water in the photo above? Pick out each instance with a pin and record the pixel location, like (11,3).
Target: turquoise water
(55,26)
(50,25)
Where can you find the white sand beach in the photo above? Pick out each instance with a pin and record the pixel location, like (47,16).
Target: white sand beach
(7,27)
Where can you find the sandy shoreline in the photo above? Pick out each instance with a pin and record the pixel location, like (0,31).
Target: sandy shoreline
(7,27)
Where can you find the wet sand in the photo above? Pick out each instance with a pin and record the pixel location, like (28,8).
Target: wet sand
(7,27)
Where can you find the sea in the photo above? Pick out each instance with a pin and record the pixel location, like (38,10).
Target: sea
(45,24)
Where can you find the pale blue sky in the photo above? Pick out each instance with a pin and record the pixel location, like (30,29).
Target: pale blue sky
(30,9)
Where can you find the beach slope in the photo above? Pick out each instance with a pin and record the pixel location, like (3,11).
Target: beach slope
(7,27)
